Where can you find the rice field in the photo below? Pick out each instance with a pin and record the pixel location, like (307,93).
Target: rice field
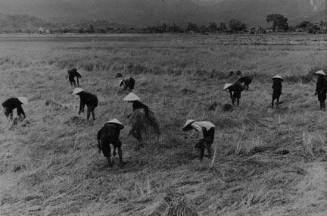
(267,162)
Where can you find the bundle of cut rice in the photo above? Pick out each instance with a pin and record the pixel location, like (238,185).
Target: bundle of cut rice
(144,125)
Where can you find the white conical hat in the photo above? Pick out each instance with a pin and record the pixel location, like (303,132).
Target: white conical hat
(227,85)
(115,121)
(23,100)
(77,90)
(132,97)
(277,77)
(320,72)
(188,122)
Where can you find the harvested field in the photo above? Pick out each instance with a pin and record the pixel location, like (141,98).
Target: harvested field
(267,162)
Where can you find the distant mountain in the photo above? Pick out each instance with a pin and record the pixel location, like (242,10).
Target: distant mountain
(150,12)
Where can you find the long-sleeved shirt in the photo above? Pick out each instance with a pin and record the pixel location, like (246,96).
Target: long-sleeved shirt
(236,89)
(13,103)
(321,87)
(277,85)
(87,99)
(110,131)
(73,73)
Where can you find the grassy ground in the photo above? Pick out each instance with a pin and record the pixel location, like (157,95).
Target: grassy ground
(268,162)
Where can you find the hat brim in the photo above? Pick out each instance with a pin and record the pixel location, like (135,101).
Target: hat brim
(77,91)
(188,126)
(115,121)
(227,86)
(23,100)
(117,124)
(131,98)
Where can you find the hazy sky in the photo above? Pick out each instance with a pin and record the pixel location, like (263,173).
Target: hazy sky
(154,11)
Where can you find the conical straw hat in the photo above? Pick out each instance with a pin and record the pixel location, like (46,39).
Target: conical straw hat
(132,97)
(188,122)
(23,100)
(115,121)
(278,77)
(227,85)
(77,90)
(320,72)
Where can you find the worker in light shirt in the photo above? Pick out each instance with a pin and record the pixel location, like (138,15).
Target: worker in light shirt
(207,129)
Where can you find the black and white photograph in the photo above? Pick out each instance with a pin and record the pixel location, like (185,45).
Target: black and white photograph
(163,108)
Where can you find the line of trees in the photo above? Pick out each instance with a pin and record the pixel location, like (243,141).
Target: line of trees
(279,23)
(233,26)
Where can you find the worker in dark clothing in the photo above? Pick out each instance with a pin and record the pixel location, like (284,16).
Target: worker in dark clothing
(321,89)
(128,83)
(71,77)
(14,103)
(235,91)
(277,90)
(207,129)
(88,99)
(109,135)
(246,81)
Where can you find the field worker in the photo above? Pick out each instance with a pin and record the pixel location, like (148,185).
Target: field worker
(277,90)
(109,135)
(207,129)
(88,99)
(321,88)
(142,120)
(14,103)
(128,83)
(235,91)
(246,81)
(71,76)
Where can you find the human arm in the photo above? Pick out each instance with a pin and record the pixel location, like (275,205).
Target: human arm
(81,106)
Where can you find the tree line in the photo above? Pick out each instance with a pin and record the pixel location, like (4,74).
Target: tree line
(279,23)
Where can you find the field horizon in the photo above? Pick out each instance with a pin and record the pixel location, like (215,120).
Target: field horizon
(268,162)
